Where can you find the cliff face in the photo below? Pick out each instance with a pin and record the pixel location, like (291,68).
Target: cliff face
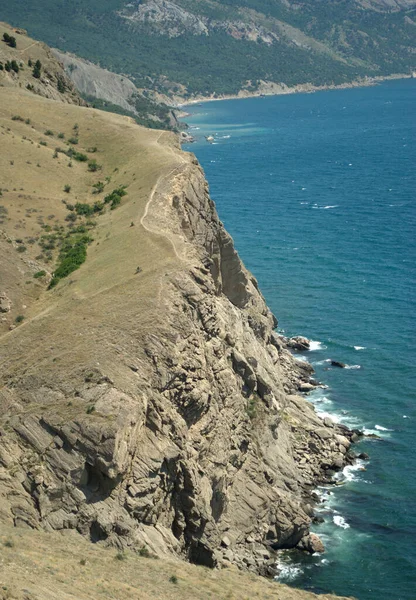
(158,407)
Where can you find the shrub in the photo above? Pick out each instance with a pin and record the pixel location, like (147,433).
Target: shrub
(37,69)
(84,209)
(61,136)
(48,132)
(73,253)
(90,409)
(67,188)
(92,150)
(21,249)
(39,274)
(173,579)
(17,118)
(83,562)
(98,187)
(93,166)
(73,140)
(143,551)
(120,556)
(115,197)
(42,143)
(19,319)
(9,544)
(10,40)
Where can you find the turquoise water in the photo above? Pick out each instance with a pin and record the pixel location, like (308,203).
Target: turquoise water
(318,191)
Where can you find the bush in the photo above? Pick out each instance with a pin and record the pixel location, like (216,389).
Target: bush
(114,199)
(9,544)
(48,132)
(120,556)
(98,187)
(84,209)
(17,118)
(173,579)
(21,249)
(61,136)
(37,69)
(93,166)
(39,274)
(73,140)
(72,255)
(19,319)
(143,551)
(67,188)
(10,40)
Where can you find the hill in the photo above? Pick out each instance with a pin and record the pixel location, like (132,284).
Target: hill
(206,47)
(146,402)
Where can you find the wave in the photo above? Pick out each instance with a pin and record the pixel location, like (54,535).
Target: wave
(350,472)
(352,367)
(315,345)
(378,430)
(325,207)
(359,348)
(340,521)
(287,572)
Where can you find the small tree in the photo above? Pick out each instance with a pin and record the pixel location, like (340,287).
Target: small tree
(12,41)
(37,69)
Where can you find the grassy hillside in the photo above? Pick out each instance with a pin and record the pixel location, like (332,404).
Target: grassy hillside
(321,42)
(44,566)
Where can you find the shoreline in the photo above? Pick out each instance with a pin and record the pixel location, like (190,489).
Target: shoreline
(275,89)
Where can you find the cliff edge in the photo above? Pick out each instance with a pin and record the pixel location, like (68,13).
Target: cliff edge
(146,400)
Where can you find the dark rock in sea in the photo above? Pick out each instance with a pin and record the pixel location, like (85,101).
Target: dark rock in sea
(336,363)
(298,342)
(318,520)
(364,456)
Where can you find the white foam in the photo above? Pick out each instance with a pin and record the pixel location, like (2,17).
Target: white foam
(349,473)
(315,345)
(287,572)
(340,522)
(381,428)
(353,366)
(405,417)
(359,347)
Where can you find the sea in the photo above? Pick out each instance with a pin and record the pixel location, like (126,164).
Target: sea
(318,192)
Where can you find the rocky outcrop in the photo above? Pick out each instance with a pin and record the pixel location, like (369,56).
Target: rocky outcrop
(186,433)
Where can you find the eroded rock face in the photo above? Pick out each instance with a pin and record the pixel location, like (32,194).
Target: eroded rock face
(191,438)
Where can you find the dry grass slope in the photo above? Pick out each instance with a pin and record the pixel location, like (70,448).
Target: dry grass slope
(41,566)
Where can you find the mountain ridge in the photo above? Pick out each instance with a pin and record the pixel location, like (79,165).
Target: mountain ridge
(208,47)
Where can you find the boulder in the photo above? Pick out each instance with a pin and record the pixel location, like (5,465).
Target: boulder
(337,363)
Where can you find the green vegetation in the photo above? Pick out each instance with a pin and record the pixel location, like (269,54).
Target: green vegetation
(39,274)
(114,199)
(19,319)
(37,69)
(11,66)
(71,256)
(359,41)
(67,188)
(93,166)
(148,113)
(120,556)
(10,40)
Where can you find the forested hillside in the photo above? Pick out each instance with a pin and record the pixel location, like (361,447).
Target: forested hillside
(209,46)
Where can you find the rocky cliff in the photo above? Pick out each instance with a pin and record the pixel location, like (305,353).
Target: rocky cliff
(147,400)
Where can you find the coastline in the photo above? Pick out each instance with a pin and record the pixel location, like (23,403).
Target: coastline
(276,89)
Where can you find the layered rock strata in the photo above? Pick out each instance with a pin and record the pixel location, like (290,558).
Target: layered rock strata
(186,433)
